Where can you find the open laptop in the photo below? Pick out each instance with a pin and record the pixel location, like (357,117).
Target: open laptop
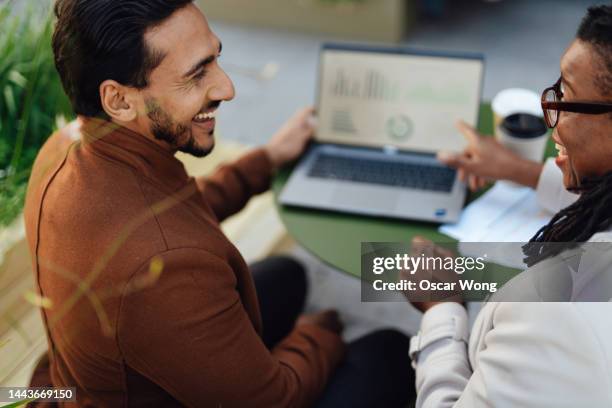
(382,115)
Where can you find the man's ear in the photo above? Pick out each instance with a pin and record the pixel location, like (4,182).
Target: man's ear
(117,101)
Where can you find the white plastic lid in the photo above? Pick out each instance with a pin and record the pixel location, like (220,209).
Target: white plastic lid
(517,100)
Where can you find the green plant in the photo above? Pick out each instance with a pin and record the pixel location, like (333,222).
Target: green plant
(31,100)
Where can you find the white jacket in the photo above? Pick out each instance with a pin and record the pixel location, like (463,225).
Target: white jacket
(519,355)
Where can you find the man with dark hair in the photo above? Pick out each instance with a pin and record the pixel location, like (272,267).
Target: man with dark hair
(147,303)
(541,354)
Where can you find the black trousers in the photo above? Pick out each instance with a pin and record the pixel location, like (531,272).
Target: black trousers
(376,371)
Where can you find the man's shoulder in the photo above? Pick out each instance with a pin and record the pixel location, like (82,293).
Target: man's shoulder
(91,202)
(86,202)
(88,188)
(63,161)
(52,154)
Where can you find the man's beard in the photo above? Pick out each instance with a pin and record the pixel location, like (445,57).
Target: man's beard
(163,128)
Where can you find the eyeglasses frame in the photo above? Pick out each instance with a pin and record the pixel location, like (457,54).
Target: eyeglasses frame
(586,107)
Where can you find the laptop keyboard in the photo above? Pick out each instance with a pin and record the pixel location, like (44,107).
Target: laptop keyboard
(384,172)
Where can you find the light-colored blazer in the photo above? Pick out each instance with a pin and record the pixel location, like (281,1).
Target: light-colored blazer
(522,354)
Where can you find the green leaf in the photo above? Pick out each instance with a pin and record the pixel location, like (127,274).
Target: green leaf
(18,79)
(9,99)
(31,97)
(17,404)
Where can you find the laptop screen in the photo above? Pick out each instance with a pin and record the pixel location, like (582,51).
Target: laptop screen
(411,101)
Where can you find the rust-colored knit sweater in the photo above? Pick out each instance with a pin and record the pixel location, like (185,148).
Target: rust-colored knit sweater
(150,304)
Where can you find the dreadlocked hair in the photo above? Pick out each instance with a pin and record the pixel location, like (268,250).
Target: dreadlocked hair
(590,214)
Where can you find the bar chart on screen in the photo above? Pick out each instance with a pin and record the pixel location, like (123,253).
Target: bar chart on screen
(374,86)
(402,100)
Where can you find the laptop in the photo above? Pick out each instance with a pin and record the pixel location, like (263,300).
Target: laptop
(383,114)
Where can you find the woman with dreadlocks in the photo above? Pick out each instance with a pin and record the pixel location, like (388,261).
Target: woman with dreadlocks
(539,354)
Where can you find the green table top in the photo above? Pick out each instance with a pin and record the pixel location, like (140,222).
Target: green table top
(336,237)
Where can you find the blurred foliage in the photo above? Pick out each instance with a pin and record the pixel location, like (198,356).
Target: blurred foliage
(31,100)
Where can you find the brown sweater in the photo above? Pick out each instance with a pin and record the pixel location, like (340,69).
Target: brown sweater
(151,305)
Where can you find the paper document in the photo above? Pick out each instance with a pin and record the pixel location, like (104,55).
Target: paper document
(505,213)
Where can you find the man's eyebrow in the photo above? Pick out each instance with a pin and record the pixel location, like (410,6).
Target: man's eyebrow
(202,63)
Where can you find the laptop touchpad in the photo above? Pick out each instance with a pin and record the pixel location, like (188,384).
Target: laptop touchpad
(374,197)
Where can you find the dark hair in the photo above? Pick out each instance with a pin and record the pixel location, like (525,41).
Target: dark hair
(97,40)
(596,29)
(592,212)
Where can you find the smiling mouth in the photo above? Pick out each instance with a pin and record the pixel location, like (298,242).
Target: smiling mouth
(205,116)
(561,150)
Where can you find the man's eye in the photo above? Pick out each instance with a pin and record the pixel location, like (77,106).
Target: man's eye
(199,75)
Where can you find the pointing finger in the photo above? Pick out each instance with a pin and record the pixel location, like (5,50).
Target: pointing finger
(471,134)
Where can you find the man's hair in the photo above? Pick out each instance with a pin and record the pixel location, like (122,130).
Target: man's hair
(596,29)
(98,40)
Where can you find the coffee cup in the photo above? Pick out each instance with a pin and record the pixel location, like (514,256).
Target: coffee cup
(515,100)
(525,134)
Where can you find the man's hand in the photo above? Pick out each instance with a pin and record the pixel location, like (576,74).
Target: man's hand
(486,159)
(291,139)
(328,320)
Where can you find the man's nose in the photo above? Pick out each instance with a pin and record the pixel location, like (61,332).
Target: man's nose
(222,88)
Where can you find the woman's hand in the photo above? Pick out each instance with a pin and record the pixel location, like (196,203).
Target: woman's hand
(425,300)
(485,159)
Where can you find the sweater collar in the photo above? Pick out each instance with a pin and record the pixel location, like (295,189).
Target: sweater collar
(135,150)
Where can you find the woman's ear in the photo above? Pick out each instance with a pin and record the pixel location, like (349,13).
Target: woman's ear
(117,102)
